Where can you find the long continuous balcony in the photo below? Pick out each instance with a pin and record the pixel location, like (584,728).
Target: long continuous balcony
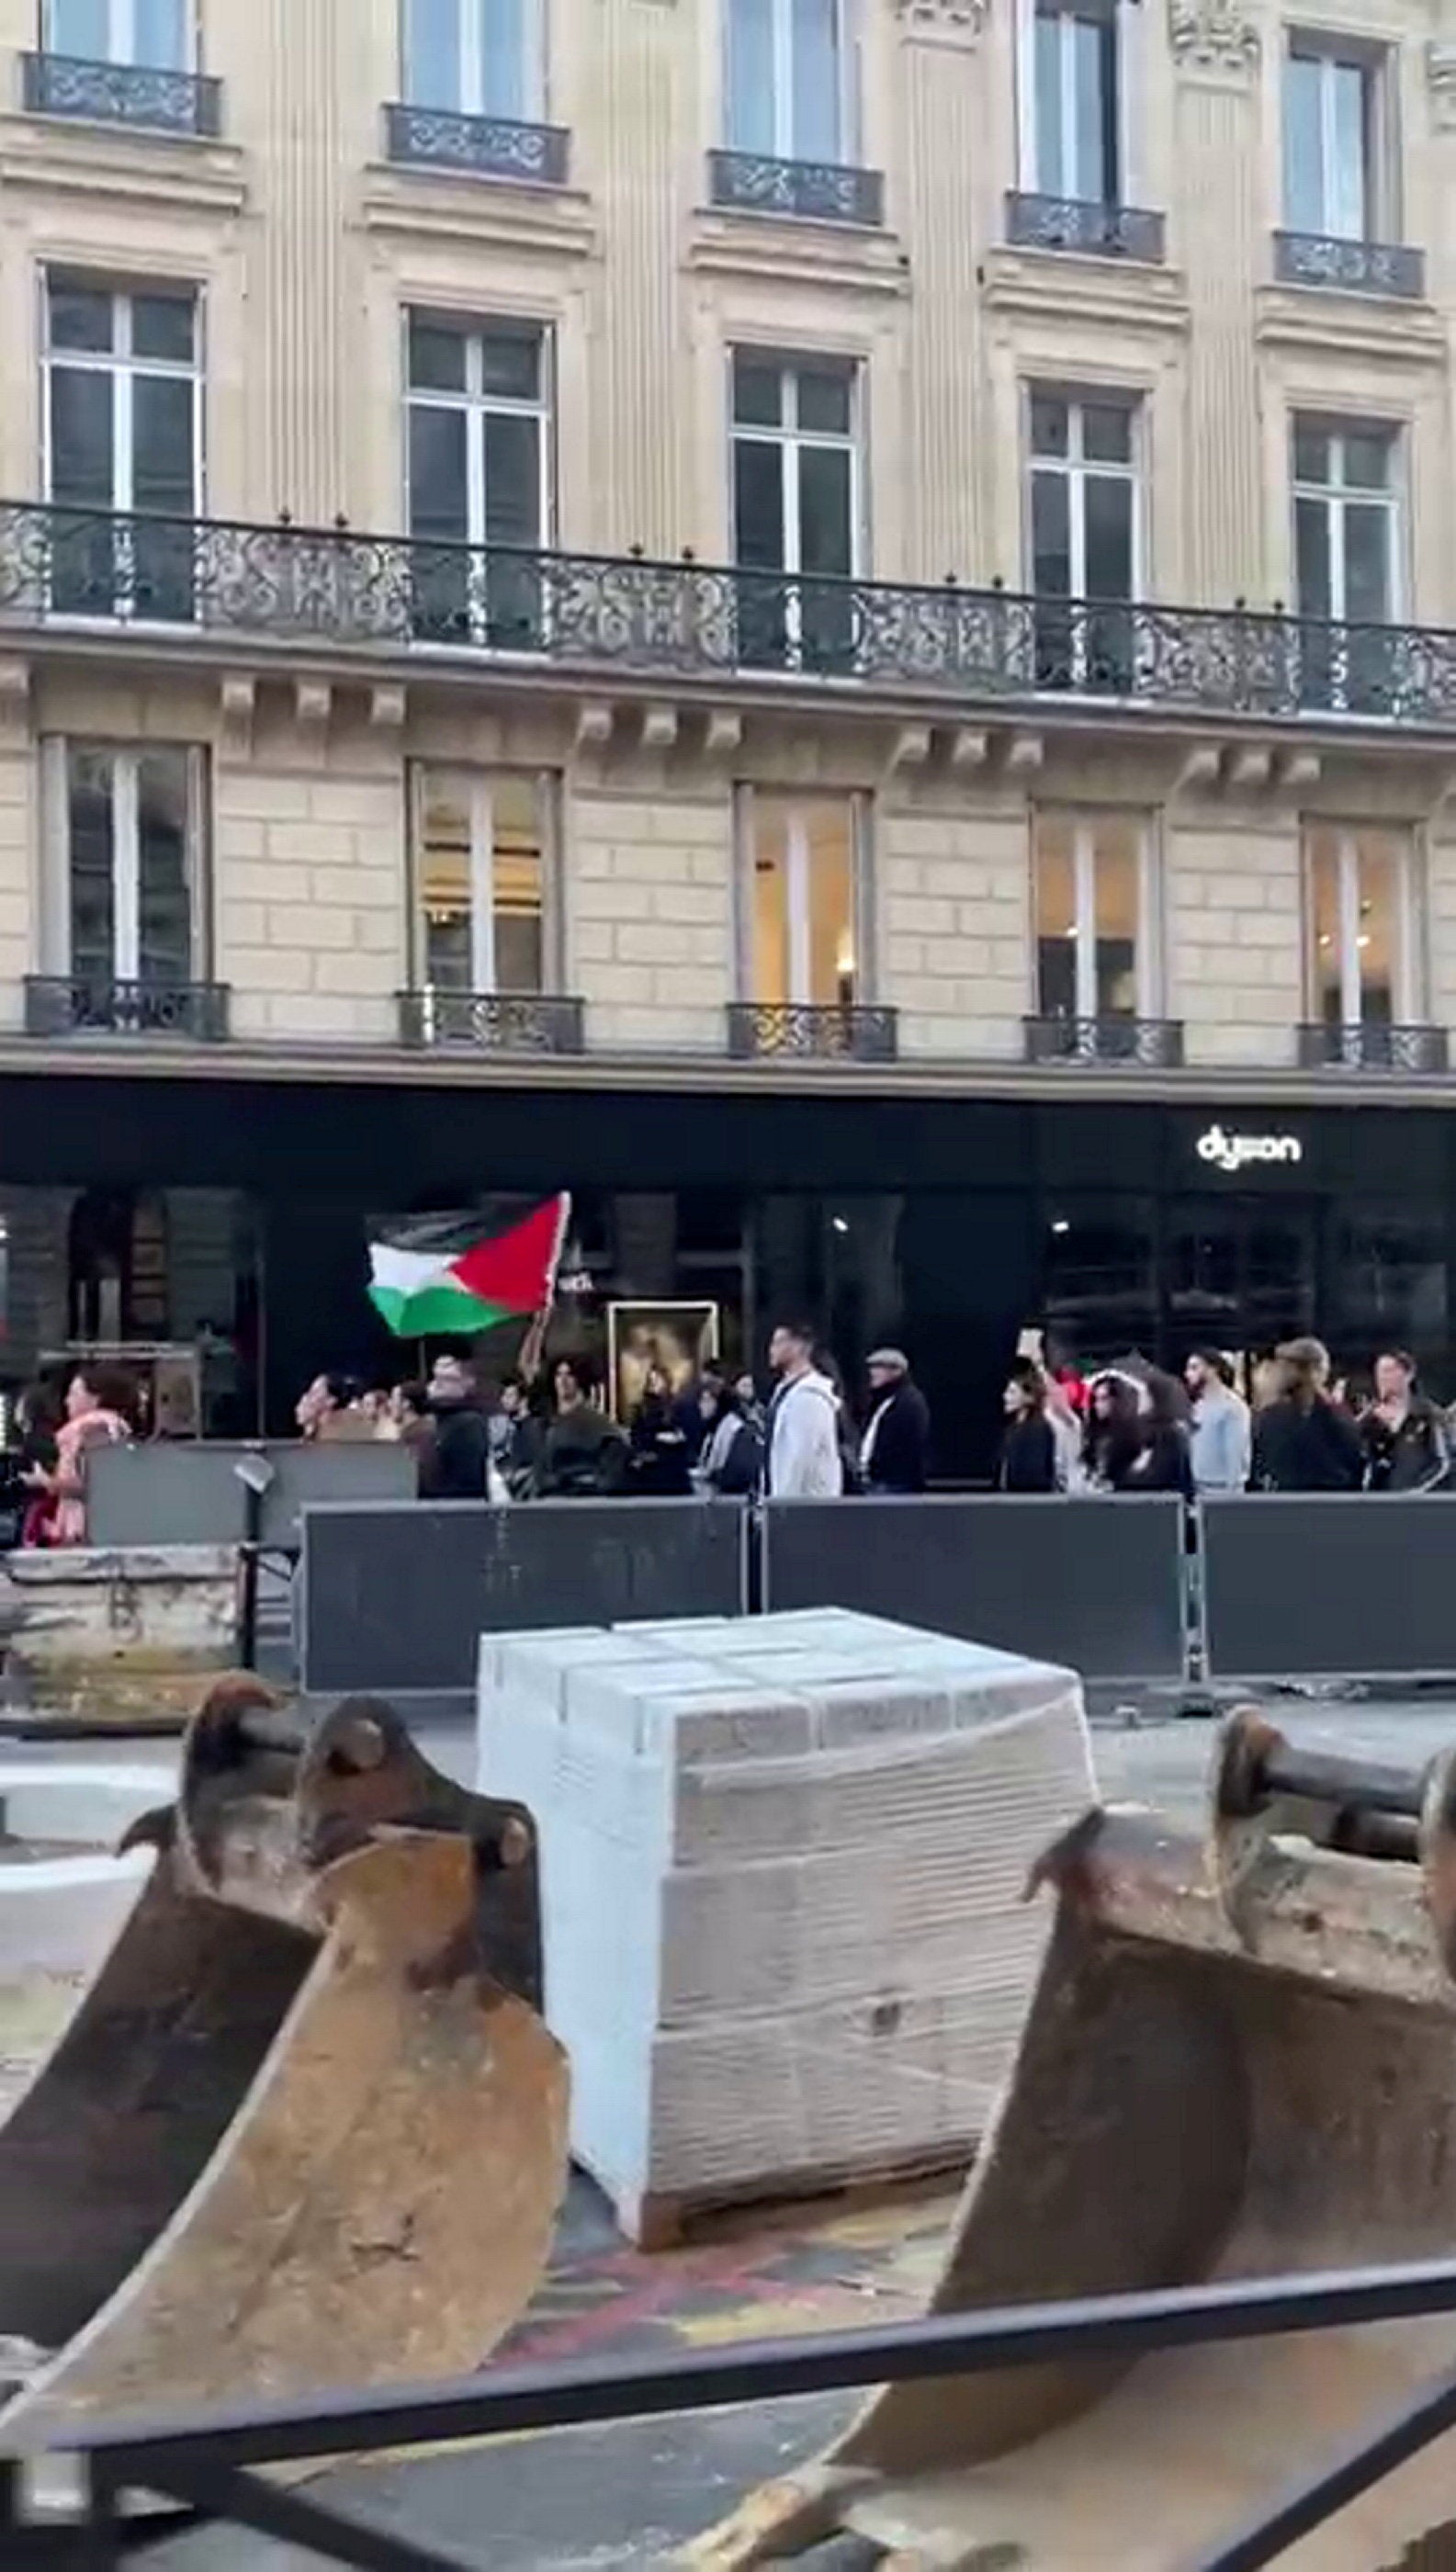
(392,596)
(64,85)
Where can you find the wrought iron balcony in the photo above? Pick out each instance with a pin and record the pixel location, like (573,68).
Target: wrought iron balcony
(121,94)
(588,613)
(1155,1043)
(492,1021)
(824,191)
(1372,1046)
(811,1031)
(491,147)
(1078,223)
(1358,266)
(81,1004)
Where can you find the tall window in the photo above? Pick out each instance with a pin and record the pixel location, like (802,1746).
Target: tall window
(1361,946)
(474,57)
(479,466)
(152,35)
(804,942)
(126,829)
(1084,524)
(1092,952)
(480,872)
(123,434)
(795,505)
(1075,106)
(1335,105)
(788,79)
(1347,559)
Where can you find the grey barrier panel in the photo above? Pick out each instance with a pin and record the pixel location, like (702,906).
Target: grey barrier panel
(1330,1584)
(1094,1584)
(395,1600)
(190,1493)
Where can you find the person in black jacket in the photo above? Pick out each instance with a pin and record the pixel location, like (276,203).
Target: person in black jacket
(1402,1434)
(1302,1441)
(1163,1458)
(895,1450)
(1028,1448)
(454,1462)
(583,1454)
(661,1450)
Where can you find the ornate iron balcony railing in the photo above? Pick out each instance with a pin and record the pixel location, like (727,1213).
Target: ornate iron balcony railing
(826,190)
(1361,267)
(806,1030)
(494,147)
(72,1005)
(493,1022)
(1373,1046)
(684,620)
(1076,223)
(1155,1044)
(121,94)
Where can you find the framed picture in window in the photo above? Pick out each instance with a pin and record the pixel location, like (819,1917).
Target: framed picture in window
(680,1338)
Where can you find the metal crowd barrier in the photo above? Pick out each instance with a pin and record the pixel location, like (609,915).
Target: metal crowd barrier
(194,1493)
(1328,1585)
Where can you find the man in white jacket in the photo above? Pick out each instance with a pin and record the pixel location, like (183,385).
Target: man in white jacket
(804,1462)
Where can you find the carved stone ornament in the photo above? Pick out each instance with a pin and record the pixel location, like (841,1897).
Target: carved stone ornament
(1441,77)
(962,18)
(1212,35)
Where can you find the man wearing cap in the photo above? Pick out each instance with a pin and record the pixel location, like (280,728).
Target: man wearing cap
(895,1449)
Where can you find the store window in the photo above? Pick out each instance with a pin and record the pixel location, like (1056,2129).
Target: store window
(123,435)
(480,413)
(1336,108)
(476,57)
(788,79)
(151,35)
(126,878)
(1359,890)
(1089,904)
(483,880)
(1086,518)
(804,942)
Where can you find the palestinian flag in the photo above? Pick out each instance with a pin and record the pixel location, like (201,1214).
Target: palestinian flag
(422,1293)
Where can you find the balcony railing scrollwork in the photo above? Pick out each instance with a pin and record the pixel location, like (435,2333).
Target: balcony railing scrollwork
(1373,1045)
(352,592)
(77,1004)
(122,94)
(1156,1044)
(1359,266)
(493,1022)
(811,1031)
(1081,224)
(492,147)
(824,190)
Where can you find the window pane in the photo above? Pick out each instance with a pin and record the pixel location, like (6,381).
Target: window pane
(438,500)
(81,316)
(1050,535)
(824,398)
(162,461)
(1304,208)
(1377,928)
(91,841)
(444,886)
(758,391)
(506,89)
(1093,173)
(79,27)
(1367,459)
(432,67)
(518,883)
(1107,432)
(815,126)
(1050,424)
(1325,928)
(770,956)
(1055,901)
(751,125)
(833,964)
(163,326)
(81,437)
(1108,507)
(825,536)
(1052,172)
(164,920)
(1367,562)
(162,31)
(758,503)
(1311,451)
(436,356)
(1311,557)
(511,363)
(1116,855)
(512,480)
(1346,189)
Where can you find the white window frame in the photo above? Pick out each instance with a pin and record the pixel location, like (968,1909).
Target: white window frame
(121,34)
(1127,74)
(1378,217)
(472,100)
(1085,827)
(125,757)
(1077,466)
(121,362)
(792,440)
(1404,998)
(1338,496)
(477,789)
(784,102)
(478,405)
(797,905)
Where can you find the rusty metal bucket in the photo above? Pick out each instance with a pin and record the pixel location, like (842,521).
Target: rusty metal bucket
(306,2127)
(1240,2059)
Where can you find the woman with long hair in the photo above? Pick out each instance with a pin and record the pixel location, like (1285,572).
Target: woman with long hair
(1028,1448)
(101,1406)
(1303,1440)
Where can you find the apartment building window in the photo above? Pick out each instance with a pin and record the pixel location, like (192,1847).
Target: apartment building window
(481,874)
(788,79)
(125,882)
(804,944)
(151,35)
(1091,906)
(1335,140)
(479,476)
(1347,550)
(1085,512)
(476,57)
(1360,890)
(123,415)
(796,506)
(1076,101)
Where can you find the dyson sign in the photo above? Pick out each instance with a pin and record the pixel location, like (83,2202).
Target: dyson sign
(1234,1153)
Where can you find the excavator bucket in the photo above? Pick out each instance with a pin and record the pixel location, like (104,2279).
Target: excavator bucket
(1239,2060)
(306,2126)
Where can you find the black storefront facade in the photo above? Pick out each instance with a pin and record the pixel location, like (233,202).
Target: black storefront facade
(946,1223)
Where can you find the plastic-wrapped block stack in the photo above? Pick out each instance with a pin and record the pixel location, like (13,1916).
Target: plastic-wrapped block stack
(782,1868)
